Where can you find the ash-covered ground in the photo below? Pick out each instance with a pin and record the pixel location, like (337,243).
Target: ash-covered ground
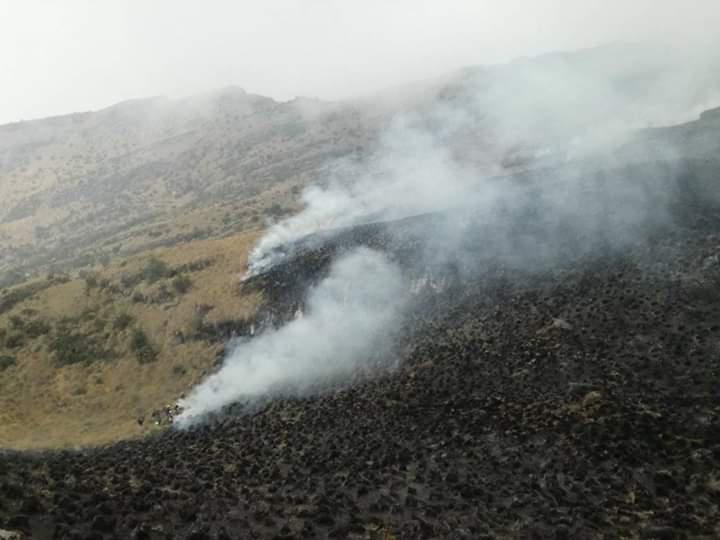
(570,393)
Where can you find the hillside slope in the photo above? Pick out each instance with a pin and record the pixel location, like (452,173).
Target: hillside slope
(576,398)
(83,188)
(81,360)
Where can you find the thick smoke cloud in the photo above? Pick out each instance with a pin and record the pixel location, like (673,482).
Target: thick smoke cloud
(347,322)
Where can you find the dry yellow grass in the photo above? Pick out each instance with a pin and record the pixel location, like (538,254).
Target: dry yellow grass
(46,406)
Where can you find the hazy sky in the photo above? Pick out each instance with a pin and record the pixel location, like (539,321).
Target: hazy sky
(60,56)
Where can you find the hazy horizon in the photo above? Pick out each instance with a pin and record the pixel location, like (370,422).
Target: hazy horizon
(79,55)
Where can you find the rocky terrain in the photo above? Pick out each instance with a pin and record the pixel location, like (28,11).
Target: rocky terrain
(574,396)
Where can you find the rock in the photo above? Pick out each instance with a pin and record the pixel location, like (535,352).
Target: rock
(562,324)
(591,398)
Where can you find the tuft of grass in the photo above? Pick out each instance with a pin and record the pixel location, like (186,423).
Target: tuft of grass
(91,282)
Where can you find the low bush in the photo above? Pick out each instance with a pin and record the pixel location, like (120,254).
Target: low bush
(181,284)
(37,328)
(7,361)
(73,347)
(179,370)
(155,270)
(16,322)
(141,346)
(123,321)
(14,341)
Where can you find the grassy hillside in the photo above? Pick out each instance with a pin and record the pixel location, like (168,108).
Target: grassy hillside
(81,188)
(81,359)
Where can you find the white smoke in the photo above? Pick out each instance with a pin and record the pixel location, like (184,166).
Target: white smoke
(493,121)
(401,179)
(446,154)
(345,325)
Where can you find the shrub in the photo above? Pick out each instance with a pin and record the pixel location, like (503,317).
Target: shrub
(179,370)
(7,362)
(16,322)
(194,266)
(72,347)
(181,284)
(37,328)
(122,321)
(91,281)
(154,270)
(276,210)
(14,341)
(141,346)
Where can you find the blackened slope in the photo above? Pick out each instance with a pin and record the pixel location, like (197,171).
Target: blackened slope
(579,398)
(526,232)
(582,402)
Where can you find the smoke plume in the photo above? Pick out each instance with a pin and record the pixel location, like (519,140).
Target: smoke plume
(543,112)
(551,124)
(348,318)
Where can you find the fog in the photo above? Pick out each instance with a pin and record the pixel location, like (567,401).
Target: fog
(76,55)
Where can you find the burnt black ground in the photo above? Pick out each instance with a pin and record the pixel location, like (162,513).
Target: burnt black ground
(579,401)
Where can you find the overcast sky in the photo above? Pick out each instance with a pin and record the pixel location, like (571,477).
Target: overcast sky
(61,56)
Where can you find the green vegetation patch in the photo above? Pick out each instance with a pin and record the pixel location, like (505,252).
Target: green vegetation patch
(74,347)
